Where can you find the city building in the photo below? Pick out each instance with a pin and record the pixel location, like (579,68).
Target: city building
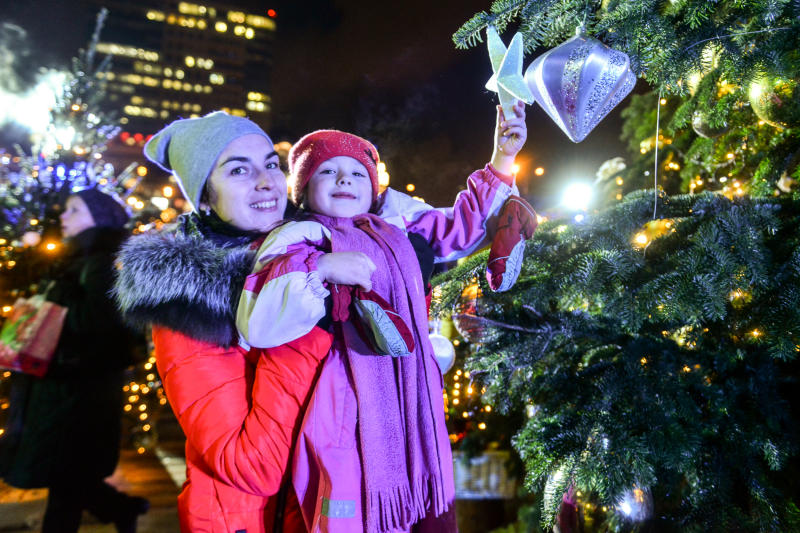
(180,59)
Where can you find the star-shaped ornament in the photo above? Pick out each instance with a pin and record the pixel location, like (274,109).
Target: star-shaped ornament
(507,80)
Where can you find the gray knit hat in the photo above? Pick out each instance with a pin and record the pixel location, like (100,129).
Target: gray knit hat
(189,147)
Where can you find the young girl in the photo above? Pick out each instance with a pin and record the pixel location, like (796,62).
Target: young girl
(373,453)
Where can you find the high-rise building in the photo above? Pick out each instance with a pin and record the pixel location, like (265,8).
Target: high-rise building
(180,59)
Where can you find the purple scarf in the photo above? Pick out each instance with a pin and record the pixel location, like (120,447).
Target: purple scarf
(405,453)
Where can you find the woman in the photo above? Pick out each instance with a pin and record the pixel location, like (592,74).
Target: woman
(239,409)
(64,429)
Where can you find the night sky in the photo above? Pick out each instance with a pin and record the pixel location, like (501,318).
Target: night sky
(388,71)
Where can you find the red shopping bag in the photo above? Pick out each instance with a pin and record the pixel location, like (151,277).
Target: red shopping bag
(30,335)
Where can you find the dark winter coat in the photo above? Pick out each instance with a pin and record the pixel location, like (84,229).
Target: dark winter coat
(66,425)
(240,410)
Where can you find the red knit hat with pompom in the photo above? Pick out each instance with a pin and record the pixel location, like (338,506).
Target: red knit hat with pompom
(317,147)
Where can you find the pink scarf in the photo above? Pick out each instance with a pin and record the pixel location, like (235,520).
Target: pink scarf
(405,452)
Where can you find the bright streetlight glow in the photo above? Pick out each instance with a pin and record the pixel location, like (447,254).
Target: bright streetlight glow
(577,196)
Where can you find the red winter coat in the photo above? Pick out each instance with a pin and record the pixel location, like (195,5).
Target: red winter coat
(241,412)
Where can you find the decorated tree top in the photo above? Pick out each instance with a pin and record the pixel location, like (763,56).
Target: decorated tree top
(66,155)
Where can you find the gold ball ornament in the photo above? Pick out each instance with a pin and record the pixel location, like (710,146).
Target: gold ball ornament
(775,100)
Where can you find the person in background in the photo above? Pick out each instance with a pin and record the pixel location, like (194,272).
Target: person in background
(64,428)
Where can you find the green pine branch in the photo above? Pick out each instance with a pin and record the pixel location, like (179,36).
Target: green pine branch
(667,367)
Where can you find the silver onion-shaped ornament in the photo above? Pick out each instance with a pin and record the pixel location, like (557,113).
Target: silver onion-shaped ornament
(580,82)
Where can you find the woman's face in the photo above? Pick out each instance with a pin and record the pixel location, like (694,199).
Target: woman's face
(247,188)
(76,217)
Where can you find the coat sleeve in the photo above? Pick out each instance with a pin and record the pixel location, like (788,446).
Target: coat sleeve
(241,420)
(284,297)
(457,231)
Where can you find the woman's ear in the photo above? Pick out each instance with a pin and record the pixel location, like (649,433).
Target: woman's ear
(205,199)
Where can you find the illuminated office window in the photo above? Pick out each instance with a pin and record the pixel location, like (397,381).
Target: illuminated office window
(191,9)
(258,97)
(221,27)
(216,79)
(127,51)
(189,60)
(260,22)
(236,16)
(239,30)
(157,16)
(256,106)
(249,33)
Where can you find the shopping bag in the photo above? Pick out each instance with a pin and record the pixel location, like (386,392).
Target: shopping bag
(30,335)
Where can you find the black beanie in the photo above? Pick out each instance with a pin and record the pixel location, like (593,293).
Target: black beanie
(106,212)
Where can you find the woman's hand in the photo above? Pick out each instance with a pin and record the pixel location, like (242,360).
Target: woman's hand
(347,268)
(509,137)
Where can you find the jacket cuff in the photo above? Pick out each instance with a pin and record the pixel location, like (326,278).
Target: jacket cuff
(505,178)
(315,285)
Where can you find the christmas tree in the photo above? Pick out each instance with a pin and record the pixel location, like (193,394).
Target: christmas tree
(652,346)
(66,156)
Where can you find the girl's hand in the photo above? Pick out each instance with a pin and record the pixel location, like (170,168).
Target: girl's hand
(509,137)
(347,268)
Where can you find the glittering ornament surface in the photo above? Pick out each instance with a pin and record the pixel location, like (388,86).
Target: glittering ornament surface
(507,80)
(580,82)
(703,128)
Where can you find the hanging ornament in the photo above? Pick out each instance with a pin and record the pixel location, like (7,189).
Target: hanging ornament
(507,80)
(776,101)
(579,82)
(443,351)
(467,315)
(701,126)
(636,504)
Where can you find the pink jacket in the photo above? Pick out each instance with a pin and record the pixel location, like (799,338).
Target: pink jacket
(284,297)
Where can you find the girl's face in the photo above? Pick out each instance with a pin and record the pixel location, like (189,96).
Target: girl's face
(76,217)
(247,188)
(340,187)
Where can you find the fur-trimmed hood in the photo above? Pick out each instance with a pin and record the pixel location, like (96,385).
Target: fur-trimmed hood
(185,281)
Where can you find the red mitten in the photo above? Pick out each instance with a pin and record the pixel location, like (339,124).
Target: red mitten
(516,223)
